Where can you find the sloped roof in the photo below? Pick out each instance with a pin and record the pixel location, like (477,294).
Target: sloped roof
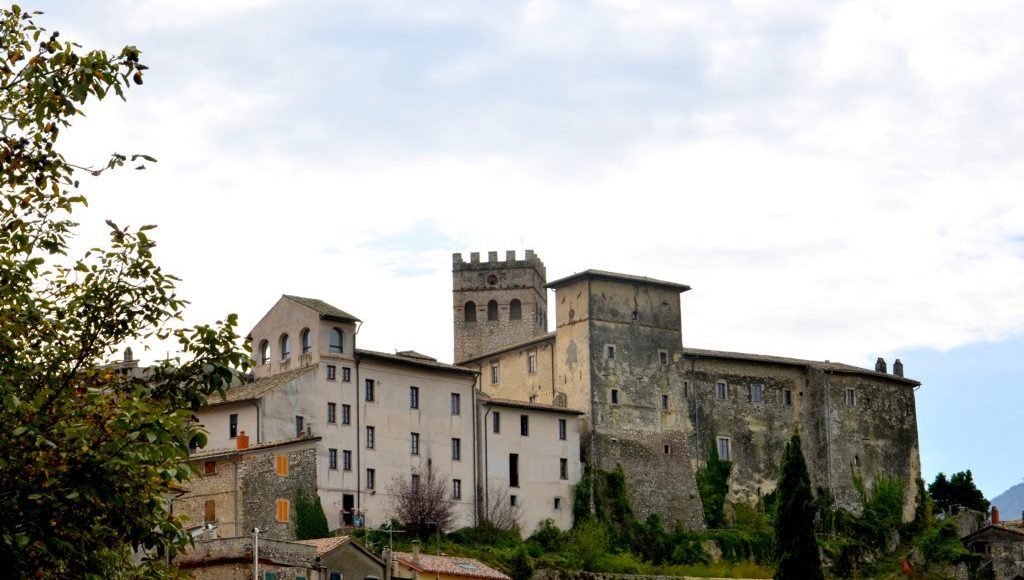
(822,365)
(605,275)
(486,400)
(450,565)
(414,360)
(516,346)
(256,389)
(414,354)
(324,309)
(225,451)
(324,545)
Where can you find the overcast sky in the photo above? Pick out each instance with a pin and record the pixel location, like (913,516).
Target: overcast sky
(836,180)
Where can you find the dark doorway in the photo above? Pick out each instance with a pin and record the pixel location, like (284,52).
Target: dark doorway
(348,504)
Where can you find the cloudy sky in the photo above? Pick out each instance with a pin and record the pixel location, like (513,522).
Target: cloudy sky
(836,180)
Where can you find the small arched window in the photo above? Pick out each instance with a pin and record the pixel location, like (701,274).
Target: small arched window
(515,310)
(492,310)
(307,341)
(470,311)
(286,346)
(264,352)
(337,341)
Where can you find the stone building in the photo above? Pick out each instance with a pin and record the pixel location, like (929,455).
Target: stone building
(658,410)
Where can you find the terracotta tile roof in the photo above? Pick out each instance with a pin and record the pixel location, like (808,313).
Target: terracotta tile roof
(605,275)
(511,347)
(450,565)
(324,309)
(208,453)
(324,545)
(256,389)
(413,360)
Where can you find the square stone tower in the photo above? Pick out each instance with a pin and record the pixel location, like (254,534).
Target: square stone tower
(497,303)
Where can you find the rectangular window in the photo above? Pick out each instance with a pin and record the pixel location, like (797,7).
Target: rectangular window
(662,357)
(563,468)
(346,414)
(371,479)
(851,399)
(615,396)
(724,450)
(332,459)
(210,511)
(346,460)
(414,397)
(332,372)
(346,374)
(531,363)
(299,426)
(282,511)
(370,391)
(664,402)
(456,404)
(512,500)
(456,449)
(332,412)
(414,486)
(562,429)
(233,426)
(456,489)
(494,373)
(210,468)
(666,449)
(756,393)
(787,397)
(720,388)
(414,441)
(497,422)
(370,432)
(558,503)
(609,351)
(524,425)
(513,470)
(686,388)
(335,575)
(281,465)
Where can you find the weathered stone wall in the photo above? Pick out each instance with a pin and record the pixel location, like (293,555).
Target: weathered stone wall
(515,379)
(219,488)
(501,281)
(262,487)
(231,559)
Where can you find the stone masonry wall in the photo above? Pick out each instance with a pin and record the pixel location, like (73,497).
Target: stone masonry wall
(262,487)
(501,281)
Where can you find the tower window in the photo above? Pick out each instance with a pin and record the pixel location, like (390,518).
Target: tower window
(515,310)
(615,396)
(787,397)
(756,393)
(494,373)
(851,397)
(609,351)
(662,357)
(531,363)
(286,346)
(307,341)
(664,402)
(720,390)
(264,352)
(724,449)
(469,312)
(492,310)
(337,341)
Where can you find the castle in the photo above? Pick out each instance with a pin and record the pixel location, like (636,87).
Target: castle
(521,411)
(658,408)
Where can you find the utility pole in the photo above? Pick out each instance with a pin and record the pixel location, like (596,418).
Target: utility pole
(255,554)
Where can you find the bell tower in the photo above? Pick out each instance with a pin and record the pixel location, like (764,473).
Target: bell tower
(497,303)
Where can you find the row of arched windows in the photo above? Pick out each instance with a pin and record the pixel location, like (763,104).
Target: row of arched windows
(337,344)
(515,310)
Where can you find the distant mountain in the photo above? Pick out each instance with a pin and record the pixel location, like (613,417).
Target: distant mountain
(1010,502)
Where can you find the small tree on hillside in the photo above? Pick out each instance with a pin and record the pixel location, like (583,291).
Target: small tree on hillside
(422,502)
(795,544)
(499,511)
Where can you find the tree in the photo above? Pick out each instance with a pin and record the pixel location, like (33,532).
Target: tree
(713,484)
(959,489)
(310,519)
(89,456)
(499,512)
(796,547)
(422,502)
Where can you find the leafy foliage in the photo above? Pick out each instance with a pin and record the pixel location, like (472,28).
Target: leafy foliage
(713,484)
(424,508)
(89,455)
(795,543)
(959,489)
(310,519)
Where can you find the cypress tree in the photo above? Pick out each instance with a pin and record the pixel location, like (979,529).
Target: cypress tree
(310,520)
(795,545)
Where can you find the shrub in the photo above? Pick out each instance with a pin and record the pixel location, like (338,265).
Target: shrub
(310,520)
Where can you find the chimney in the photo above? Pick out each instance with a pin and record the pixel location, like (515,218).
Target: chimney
(128,356)
(880,365)
(995,515)
(897,368)
(242,440)
(415,551)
